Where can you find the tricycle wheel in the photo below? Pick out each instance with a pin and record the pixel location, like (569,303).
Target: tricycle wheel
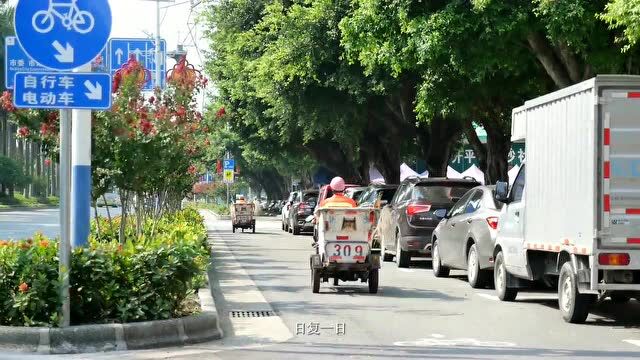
(373,281)
(234,229)
(253,229)
(315,280)
(335,281)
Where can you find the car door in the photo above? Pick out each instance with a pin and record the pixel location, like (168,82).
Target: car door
(463,228)
(386,219)
(448,235)
(398,213)
(511,228)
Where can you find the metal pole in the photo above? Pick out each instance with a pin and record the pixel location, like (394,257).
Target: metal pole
(81,174)
(64,251)
(158,50)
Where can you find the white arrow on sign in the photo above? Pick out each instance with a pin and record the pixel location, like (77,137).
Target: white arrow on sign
(65,54)
(138,53)
(119,54)
(95,91)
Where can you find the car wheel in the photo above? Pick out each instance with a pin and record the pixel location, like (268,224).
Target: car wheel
(234,229)
(403,258)
(439,270)
(315,280)
(283,226)
(477,278)
(373,281)
(335,281)
(385,255)
(573,305)
(501,277)
(296,230)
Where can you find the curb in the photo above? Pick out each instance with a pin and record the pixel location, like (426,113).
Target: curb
(193,329)
(219,217)
(25,208)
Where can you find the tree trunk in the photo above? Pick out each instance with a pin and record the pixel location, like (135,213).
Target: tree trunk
(545,53)
(479,149)
(330,154)
(498,146)
(437,142)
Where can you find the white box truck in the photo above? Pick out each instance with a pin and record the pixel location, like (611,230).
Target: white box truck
(572,216)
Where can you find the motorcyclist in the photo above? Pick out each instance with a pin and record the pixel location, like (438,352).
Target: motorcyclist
(241,200)
(338,200)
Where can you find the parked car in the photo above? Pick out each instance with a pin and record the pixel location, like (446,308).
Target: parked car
(377,195)
(466,236)
(284,213)
(407,223)
(355,192)
(301,210)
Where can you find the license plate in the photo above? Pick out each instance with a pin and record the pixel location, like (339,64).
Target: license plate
(347,252)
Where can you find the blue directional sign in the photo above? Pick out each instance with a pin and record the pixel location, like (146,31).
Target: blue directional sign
(229,164)
(144,51)
(16,60)
(54,90)
(63,34)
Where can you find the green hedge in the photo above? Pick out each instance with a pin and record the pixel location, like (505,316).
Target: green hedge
(149,278)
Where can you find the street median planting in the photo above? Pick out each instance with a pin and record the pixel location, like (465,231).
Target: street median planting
(154,275)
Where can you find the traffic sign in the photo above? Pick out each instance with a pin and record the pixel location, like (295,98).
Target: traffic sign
(229,164)
(54,90)
(228,176)
(145,52)
(16,60)
(63,34)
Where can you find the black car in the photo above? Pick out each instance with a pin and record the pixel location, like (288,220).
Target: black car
(301,210)
(407,223)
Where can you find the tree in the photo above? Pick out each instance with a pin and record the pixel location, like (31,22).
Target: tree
(623,14)
(11,174)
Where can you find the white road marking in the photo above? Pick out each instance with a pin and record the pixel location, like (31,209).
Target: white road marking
(488,297)
(406,270)
(438,340)
(633,342)
(437,336)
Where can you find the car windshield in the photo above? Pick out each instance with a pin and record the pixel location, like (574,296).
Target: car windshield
(441,193)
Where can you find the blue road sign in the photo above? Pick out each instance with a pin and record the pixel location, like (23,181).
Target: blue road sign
(63,34)
(16,60)
(145,52)
(229,164)
(54,90)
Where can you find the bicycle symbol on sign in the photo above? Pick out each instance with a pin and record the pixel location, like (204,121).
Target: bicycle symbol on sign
(80,20)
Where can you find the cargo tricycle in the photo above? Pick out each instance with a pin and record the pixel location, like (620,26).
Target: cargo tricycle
(242,217)
(344,248)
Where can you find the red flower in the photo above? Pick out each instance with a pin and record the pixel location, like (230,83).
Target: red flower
(222,112)
(146,126)
(181,111)
(192,170)
(6,103)
(23,287)
(24,132)
(47,162)
(152,100)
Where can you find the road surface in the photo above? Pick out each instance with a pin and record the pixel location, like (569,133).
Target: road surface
(414,316)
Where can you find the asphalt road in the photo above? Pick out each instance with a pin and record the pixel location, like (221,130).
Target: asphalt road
(22,224)
(414,316)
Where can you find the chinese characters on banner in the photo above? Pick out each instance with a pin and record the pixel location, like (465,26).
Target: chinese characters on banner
(466,157)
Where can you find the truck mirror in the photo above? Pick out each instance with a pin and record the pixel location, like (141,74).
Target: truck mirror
(502,191)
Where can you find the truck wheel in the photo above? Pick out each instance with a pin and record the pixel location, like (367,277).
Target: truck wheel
(477,278)
(439,270)
(373,281)
(403,258)
(573,305)
(385,255)
(296,230)
(501,276)
(315,280)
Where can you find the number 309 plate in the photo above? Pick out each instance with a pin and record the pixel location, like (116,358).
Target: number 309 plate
(347,252)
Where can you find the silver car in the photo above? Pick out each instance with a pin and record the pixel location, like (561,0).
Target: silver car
(465,237)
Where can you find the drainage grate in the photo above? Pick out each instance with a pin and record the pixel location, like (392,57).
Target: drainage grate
(250,314)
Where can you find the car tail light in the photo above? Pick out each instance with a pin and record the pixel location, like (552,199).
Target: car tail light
(413,209)
(614,259)
(301,209)
(493,222)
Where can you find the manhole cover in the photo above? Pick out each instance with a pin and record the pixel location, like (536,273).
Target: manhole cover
(250,314)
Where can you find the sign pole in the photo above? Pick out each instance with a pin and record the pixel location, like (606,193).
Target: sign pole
(64,251)
(158,49)
(81,174)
